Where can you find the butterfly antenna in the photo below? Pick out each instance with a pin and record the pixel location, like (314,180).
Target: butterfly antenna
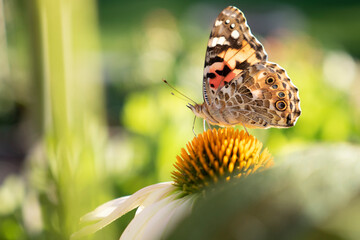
(178,92)
(180,97)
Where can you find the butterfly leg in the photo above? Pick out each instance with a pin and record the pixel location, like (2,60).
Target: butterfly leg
(193,127)
(209,126)
(245,129)
(204,125)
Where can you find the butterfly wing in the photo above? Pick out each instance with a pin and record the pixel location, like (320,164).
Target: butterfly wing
(262,96)
(230,50)
(239,85)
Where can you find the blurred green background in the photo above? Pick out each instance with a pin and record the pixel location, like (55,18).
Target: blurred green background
(85,117)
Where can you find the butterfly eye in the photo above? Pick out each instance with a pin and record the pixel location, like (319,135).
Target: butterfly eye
(281,94)
(270,80)
(280,105)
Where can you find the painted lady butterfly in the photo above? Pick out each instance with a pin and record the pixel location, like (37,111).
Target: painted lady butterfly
(240,86)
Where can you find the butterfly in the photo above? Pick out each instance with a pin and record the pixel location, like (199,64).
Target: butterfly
(239,85)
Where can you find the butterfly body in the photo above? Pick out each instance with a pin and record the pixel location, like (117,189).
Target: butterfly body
(239,85)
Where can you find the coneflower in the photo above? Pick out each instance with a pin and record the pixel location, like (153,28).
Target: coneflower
(211,156)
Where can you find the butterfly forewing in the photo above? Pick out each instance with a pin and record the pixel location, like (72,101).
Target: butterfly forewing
(230,50)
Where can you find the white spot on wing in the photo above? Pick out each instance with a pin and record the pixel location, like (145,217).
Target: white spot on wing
(217,23)
(257,93)
(214,41)
(221,40)
(235,34)
(218,41)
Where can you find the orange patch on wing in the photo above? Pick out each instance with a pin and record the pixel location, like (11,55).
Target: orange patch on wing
(241,55)
(222,54)
(230,57)
(237,71)
(252,59)
(216,66)
(228,78)
(220,81)
(217,80)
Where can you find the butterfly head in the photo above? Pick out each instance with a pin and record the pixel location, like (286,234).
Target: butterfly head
(197,109)
(202,111)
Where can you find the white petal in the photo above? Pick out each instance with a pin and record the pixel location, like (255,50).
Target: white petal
(129,204)
(164,221)
(104,210)
(135,228)
(180,212)
(156,196)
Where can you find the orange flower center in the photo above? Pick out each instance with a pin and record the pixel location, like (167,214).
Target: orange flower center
(218,153)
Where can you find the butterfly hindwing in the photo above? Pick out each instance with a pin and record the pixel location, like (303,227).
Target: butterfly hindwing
(261,96)
(231,49)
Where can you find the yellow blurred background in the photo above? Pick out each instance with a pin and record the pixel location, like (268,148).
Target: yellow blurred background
(85,116)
